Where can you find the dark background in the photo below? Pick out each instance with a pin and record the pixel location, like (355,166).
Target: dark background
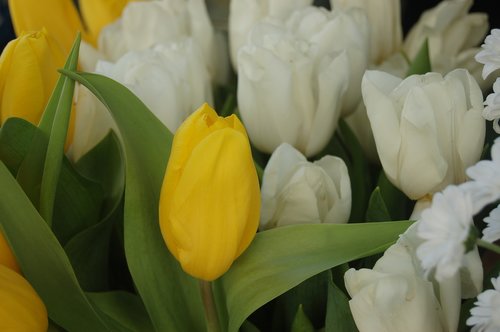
(410,12)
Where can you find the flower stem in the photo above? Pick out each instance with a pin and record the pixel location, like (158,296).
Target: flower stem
(209,305)
(488,245)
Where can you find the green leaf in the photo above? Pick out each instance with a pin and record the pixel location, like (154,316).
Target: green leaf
(43,261)
(16,136)
(89,249)
(301,323)
(377,210)
(311,295)
(248,327)
(39,172)
(280,259)
(83,196)
(338,314)
(171,297)
(421,64)
(124,309)
(397,203)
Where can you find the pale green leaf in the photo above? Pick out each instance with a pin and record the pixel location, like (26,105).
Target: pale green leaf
(280,259)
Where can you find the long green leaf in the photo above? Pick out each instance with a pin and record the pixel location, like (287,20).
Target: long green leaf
(38,171)
(42,259)
(171,297)
(280,259)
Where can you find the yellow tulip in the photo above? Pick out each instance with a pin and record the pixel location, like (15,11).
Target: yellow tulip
(210,200)
(99,13)
(21,309)
(28,74)
(6,256)
(59,17)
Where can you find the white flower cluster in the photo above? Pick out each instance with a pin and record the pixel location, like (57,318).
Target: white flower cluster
(490,57)
(447,227)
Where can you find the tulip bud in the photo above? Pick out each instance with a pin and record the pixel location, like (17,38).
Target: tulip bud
(6,256)
(295,191)
(21,309)
(209,203)
(428,129)
(384,17)
(28,74)
(59,17)
(396,296)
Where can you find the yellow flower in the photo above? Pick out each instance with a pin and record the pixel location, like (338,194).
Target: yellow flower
(61,18)
(21,309)
(210,200)
(28,74)
(6,256)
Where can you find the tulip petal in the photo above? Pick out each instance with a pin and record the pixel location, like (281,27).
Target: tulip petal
(333,80)
(420,153)
(384,118)
(336,170)
(59,17)
(210,232)
(21,308)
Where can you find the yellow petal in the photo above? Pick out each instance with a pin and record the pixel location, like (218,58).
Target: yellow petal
(21,309)
(59,17)
(210,200)
(6,256)
(97,14)
(28,75)
(28,68)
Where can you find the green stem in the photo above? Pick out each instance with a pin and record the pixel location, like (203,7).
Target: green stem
(209,304)
(488,245)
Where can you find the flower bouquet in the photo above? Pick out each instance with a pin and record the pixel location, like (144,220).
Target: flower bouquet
(319,172)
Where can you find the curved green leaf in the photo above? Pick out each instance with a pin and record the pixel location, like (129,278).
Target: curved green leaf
(123,309)
(171,297)
(43,261)
(280,259)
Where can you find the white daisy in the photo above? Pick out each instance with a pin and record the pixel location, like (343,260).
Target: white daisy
(492,232)
(445,227)
(492,110)
(490,53)
(485,316)
(485,188)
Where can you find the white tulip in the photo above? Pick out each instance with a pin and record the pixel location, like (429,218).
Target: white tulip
(171,80)
(453,35)
(145,24)
(395,296)
(358,121)
(244,14)
(427,129)
(384,17)
(295,76)
(295,191)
